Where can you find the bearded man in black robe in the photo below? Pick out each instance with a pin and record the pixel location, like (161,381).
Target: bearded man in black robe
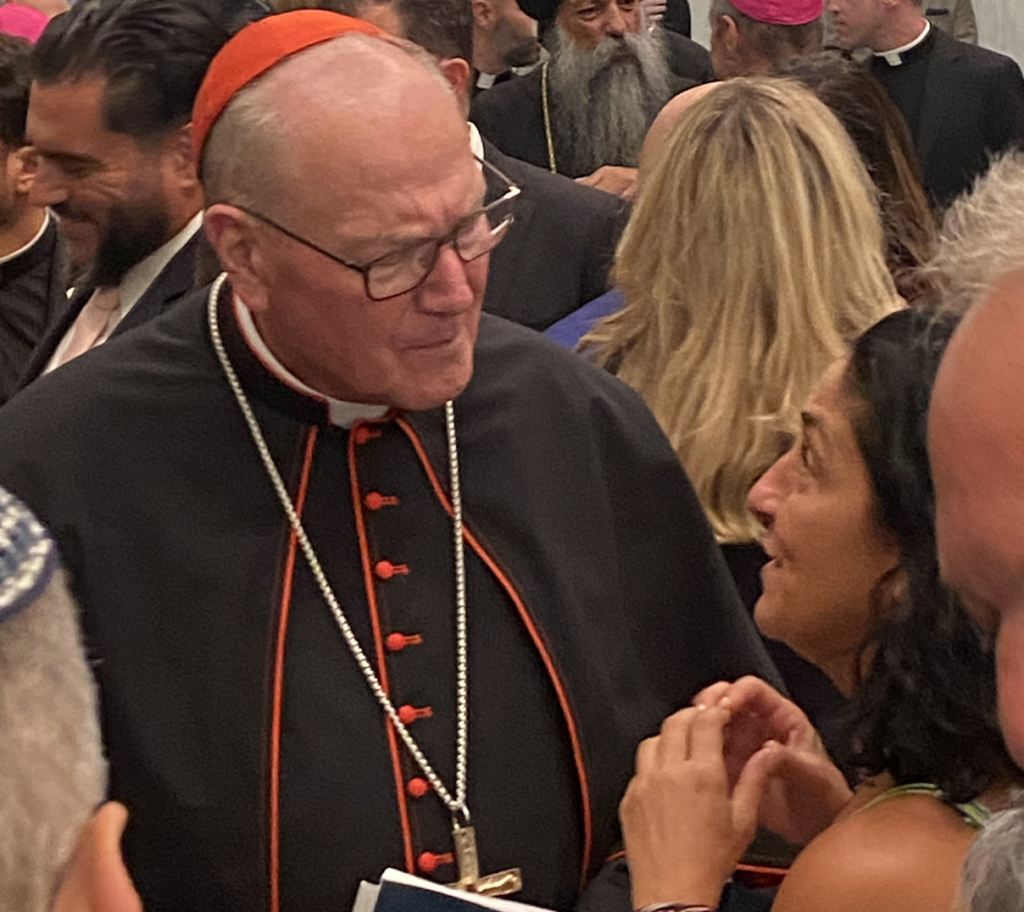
(585,112)
(359,566)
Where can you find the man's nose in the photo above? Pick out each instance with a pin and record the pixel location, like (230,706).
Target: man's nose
(619,21)
(447,289)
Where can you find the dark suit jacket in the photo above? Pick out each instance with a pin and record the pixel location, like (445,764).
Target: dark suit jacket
(33,292)
(973,108)
(511,115)
(557,253)
(177,279)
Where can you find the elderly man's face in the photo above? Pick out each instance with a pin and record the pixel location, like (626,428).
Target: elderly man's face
(411,351)
(589,22)
(976,447)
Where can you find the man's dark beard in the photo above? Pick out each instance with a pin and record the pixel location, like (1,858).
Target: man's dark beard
(526,54)
(604,100)
(134,231)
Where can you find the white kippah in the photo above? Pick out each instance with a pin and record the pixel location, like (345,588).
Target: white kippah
(28,556)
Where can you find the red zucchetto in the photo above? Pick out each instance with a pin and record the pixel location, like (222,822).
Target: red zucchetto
(257,48)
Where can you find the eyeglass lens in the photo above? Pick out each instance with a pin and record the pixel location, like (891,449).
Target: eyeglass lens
(403,271)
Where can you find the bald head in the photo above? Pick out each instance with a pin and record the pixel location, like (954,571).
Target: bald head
(356,101)
(666,119)
(976,445)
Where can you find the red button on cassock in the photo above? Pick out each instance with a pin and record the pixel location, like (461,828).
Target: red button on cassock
(365,433)
(375,500)
(427,862)
(384,569)
(407,714)
(395,641)
(417,787)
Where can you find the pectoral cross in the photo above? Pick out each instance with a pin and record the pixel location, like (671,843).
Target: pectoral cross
(500,884)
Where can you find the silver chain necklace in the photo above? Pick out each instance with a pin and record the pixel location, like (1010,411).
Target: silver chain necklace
(464,834)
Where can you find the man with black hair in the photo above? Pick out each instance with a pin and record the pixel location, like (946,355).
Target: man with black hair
(557,254)
(32,274)
(109,111)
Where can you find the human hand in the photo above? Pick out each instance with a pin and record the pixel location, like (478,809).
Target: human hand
(804,790)
(97,879)
(654,10)
(612,179)
(684,828)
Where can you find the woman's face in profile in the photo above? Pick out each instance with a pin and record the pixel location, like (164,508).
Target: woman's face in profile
(826,549)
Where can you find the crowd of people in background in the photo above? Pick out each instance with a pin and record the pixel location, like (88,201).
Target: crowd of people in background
(507,441)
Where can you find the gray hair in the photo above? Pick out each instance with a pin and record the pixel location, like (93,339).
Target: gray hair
(982,236)
(52,772)
(993,874)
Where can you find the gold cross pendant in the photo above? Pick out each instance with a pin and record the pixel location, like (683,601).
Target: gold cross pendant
(500,884)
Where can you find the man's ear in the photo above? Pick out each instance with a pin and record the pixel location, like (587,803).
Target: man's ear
(232,235)
(457,71)
(727,33)
(179,160)
(22,165)
(484,14)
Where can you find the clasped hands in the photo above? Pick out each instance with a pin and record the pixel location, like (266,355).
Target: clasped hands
(741,756)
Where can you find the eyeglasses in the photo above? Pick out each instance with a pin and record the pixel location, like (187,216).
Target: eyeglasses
(407,268)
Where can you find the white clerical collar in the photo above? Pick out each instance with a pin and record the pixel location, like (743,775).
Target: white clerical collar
(476,142)
(137,279)
(25,249)
(485,80)
(342,414)
(895,56)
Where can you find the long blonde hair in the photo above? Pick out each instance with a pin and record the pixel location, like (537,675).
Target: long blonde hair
(753,256)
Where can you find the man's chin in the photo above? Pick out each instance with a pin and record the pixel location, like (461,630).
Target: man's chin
(81,242)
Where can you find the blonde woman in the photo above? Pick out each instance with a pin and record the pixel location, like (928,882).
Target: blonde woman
(754,255)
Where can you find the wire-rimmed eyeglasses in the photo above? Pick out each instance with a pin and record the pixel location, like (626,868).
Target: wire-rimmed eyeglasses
(402,270)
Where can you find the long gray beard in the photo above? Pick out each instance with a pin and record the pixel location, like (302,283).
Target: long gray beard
(604,100)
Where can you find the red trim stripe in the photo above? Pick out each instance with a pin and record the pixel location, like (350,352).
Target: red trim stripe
(369,584)
(538,642)
(275,725)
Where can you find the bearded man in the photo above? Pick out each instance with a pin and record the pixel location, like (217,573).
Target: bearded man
(108,117)
(585,113)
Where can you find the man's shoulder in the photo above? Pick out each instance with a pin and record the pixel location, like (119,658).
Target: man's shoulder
(516,365)
(949,49)
(164,350)
(508,95)
(556,192)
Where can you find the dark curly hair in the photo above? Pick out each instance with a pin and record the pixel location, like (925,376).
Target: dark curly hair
(925,709)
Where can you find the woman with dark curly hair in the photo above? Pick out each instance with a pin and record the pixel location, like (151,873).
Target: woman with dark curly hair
(853,585)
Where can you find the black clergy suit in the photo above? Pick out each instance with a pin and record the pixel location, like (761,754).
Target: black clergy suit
(176,280)
(511,115)
(962,103)
(33,293)
(240,732)
(556,256)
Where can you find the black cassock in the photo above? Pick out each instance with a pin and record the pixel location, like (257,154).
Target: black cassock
(241,735)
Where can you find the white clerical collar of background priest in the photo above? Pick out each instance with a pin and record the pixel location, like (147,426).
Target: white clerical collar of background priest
(340,413)
(895,56)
